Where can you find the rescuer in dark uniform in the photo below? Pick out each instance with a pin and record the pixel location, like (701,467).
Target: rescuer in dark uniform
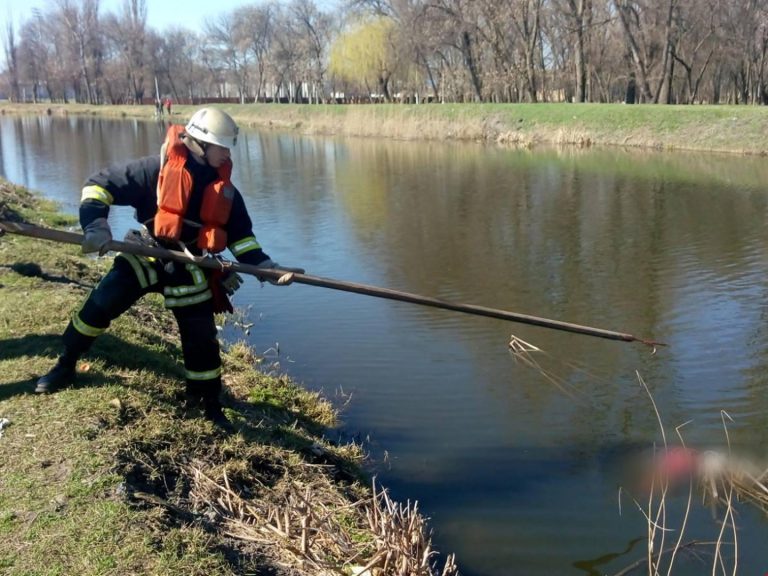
(185,200)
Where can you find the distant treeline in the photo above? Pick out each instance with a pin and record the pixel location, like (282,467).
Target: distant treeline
(634,51)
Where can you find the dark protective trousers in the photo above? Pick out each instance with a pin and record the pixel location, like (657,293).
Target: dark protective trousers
(187,294)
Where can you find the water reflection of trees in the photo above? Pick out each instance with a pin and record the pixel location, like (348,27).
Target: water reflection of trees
(644,243)
(78,146)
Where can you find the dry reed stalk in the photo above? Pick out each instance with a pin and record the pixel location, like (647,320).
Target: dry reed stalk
(401,538)
(316,538)
(656,512)
(720,473)
(522,351)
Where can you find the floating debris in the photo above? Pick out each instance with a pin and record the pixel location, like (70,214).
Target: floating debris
(520,346)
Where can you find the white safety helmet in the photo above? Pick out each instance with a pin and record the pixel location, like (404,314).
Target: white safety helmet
(213,126)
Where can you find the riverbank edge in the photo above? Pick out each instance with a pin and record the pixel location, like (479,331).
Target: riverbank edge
(724,129)
(113,476)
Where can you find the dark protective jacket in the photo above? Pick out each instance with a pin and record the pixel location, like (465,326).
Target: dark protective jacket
(135,184)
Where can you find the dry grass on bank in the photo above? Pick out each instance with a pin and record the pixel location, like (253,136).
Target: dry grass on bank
(733,129)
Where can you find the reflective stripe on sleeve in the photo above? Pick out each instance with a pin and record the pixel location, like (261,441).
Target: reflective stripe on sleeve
(245,245)
(207,375)
(95,192)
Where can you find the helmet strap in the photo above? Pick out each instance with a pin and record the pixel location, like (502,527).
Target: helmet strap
(197,148)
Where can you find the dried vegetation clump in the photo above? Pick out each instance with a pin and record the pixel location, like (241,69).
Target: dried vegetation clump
(312,527)
(274,494)
(278,492)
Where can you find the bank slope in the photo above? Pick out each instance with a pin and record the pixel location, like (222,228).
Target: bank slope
(722,128)
(112,477)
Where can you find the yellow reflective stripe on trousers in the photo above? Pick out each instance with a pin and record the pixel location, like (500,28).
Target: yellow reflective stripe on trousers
(199,283)
(94,192)
(148,268)
(245,245)
(138,269)
(86,329)
(207,375)
(188,300)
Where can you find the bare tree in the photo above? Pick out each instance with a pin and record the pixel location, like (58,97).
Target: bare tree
(654,51)
(312,28)
(695,45)
(11,57)
(174,61)
(525,16)
(81,23)
(460,19)
(128,33)
(629,14)
(258,29)
(579,21)
(228,40)
(33,54)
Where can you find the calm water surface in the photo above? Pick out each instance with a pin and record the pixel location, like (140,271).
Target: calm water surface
(518,468)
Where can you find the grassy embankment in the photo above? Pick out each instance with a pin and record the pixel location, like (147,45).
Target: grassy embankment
(736,129)
(111,477)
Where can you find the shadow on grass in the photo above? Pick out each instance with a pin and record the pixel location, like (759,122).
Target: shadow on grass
(265,423)
(112,350)
(33,270)
(260,422)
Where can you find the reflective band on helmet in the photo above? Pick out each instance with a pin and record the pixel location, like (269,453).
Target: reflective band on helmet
(245,245)
(188,300)
(85,329)
(95,192)
(207,375)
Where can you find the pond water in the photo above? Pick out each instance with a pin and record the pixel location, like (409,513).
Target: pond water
(518,467)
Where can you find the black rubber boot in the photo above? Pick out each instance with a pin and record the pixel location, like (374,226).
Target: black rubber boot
(60,376)
(213,412)
(191,402)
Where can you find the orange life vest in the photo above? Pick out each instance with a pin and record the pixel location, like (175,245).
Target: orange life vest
(174,189)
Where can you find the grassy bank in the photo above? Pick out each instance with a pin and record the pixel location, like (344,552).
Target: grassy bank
(736,129)
(112,477)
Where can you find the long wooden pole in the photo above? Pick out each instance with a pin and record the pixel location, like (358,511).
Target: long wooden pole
(209,262)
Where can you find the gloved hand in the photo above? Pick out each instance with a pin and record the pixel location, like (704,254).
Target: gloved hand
(285,279)
(231,281)
(97,236)
(140,237)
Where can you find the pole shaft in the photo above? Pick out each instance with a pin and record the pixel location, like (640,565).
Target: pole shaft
(208,262)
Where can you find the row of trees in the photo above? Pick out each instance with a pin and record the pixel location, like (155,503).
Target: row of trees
(652,51)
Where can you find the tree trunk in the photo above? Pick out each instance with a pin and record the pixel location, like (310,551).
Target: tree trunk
(469,61)
(637,59)
(664,93)
(579,10)
(630,96)
(12,61)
